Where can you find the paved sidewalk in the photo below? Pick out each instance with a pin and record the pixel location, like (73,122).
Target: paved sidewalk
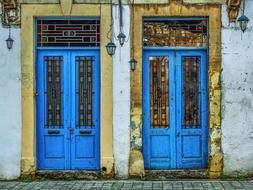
(130,185)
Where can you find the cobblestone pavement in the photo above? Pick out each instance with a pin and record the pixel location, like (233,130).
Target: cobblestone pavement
(130,185)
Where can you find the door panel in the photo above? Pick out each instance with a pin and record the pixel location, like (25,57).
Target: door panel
(52,150)
(85,139)
(191,85)
(158,70)
(68,109)
(174,109)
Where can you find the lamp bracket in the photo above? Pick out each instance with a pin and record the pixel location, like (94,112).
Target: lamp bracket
(233,9)
(10,12)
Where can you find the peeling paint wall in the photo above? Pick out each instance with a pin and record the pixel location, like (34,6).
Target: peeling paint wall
(10,106)
(121,94)
(237,95)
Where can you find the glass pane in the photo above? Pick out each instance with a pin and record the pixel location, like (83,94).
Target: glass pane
(53,90)
(159,91)
(188,33)
(191,91)
(85,90)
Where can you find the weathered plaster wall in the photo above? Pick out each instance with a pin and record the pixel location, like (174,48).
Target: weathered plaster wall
(121,95)
(237,95)
(10,106)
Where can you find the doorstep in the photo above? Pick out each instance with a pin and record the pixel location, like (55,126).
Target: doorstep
(68,174)
(175,174)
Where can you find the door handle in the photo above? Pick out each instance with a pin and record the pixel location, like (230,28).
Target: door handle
(71,130)
(178,134)
(82,132)
(53,132)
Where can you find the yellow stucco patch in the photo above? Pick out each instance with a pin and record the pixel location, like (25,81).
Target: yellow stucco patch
(177,9)
(29,12)
(136,164)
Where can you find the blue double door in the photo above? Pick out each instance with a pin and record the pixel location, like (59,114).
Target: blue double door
(175,109)
(68,119)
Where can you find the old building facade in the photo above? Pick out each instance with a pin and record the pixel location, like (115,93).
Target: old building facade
(68,105)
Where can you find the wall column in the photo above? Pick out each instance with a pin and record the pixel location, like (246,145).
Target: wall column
(121,94)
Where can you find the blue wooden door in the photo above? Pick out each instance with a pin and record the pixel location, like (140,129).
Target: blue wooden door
(174,109)
(67,105)
(158,110)
(85,105)
(191,109)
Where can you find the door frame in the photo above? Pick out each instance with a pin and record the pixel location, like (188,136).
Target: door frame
(28,57)
(180,10)
(174,55)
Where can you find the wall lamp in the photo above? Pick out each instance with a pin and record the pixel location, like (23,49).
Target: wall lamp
(132,63)
(111,47)
(121,37)
(9,40)
(243,20)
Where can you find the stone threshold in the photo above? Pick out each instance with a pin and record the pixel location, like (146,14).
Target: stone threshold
(95,175)
(68,174)
(175,174)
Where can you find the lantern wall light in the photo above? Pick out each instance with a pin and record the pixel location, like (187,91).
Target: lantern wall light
(132,61)
(110,47)
(121,37)
(9,41)
(243,20)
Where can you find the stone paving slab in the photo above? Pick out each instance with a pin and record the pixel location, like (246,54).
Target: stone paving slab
(129,185)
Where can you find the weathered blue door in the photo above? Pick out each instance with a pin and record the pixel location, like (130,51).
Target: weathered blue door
(67,84)
(175,109)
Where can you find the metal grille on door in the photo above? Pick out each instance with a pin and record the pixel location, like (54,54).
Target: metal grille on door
(159,92)
(85,90)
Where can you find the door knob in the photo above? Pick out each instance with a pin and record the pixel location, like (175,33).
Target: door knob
(71,130)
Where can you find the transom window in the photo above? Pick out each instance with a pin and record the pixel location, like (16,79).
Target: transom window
(68,33)
(168,32)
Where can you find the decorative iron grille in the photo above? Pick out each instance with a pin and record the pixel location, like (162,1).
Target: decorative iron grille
(68,33)
(189,33)
(85,90)
(191,66)
(159,92)
(53,90)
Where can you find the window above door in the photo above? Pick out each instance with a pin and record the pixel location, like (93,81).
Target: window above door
(68,32)
(175,32)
